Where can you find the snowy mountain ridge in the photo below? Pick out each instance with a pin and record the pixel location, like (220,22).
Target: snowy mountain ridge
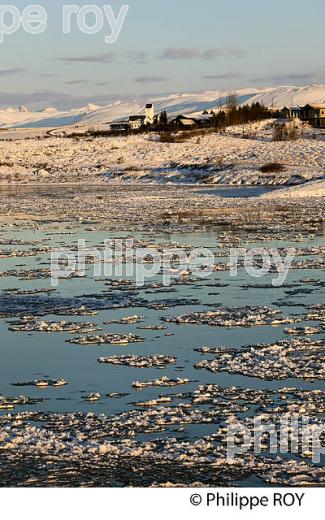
(187,103)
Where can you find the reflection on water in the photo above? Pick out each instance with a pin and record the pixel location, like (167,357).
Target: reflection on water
(240,191)
(29,356)
(220,191)
(34,355)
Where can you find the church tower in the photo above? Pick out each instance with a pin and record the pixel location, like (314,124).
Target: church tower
(150,114)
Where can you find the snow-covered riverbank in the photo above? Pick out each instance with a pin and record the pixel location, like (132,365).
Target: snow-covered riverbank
(233,158)
(310,189)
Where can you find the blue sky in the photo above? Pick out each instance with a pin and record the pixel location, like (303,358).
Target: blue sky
(165,46)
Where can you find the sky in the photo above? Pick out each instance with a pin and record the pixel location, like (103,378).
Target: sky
(164,46)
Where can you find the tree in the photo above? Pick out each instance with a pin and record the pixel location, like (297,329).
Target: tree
(219,120)
(163,119)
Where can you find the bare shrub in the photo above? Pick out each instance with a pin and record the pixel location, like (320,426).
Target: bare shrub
(272,168)
(280,132)
(167,137)
(7,163)
(285,132)
(292,132)
(181,136)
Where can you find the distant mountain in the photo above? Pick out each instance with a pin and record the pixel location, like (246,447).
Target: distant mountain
(191,103)
(291,96)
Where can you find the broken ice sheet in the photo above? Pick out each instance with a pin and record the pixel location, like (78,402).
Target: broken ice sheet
(297,358)
(153,430)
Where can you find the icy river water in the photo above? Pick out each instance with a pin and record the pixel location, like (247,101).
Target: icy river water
(34,355)
(37,355)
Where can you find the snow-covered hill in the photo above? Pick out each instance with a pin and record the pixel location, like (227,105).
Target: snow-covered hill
(291,96)
(183,103)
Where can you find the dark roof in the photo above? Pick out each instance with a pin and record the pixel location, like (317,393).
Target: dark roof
(135,118)
(149,105)
(119,126)
(179,117)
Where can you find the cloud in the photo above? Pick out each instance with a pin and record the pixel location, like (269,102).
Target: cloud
(103,84)
(77,82)
(109,57)
(150,79)
(10,72)
(136,56)
(47,75)
(38,100)
(225,76)
(293,76)
(44,98)
(213,54)
(171,53)
(301,78)
(178,53)
(298,76)
(32,98)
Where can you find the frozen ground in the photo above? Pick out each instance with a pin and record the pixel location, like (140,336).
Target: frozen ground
(233,158)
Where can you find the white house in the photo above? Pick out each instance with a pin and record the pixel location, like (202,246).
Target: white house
(136,122)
